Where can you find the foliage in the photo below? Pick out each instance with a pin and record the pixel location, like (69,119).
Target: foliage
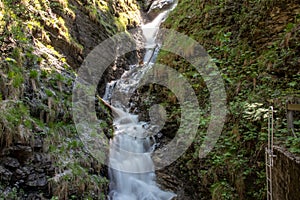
(15,122)
(11,194)
(37,41)
(255,46)
(73,164)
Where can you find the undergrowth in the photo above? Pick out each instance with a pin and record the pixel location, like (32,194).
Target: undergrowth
(255,45)
(40,52)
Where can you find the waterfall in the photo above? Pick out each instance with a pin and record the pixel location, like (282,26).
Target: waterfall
(131,169)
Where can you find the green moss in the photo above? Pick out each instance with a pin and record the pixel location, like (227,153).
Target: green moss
(121,23)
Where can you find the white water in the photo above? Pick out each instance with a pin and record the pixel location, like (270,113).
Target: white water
(131,169)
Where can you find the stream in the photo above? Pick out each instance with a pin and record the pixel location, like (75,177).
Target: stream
(131,169)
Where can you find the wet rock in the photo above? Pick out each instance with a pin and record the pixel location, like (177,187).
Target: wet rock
(5,174)
(20,174)
(19,171)
(41,158)
(38,143)
(38,158)
(29,174)
(27,169)
(159,6)
(11,162)
(18,183)
(35,196)
(169,181)
(36,180)
(21,152)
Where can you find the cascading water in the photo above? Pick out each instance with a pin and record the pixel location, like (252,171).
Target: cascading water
(131,168)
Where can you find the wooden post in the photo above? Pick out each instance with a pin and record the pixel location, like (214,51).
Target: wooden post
(291,108)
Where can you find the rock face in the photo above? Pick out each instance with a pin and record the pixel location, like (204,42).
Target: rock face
(22,167)
(159,6)
(42,46)
(285,175)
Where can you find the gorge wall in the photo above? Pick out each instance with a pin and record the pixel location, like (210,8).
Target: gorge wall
(43,43)
(255,45)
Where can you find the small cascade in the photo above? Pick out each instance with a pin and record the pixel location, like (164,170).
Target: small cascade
(131,169)
(109,89)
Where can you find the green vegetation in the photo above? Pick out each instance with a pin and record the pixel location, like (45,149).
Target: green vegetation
(40,50)
(255,45)
(12,194)
(15,122)
(79,174)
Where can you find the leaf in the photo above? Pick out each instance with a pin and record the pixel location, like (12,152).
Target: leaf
(292,84)
(10,60)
